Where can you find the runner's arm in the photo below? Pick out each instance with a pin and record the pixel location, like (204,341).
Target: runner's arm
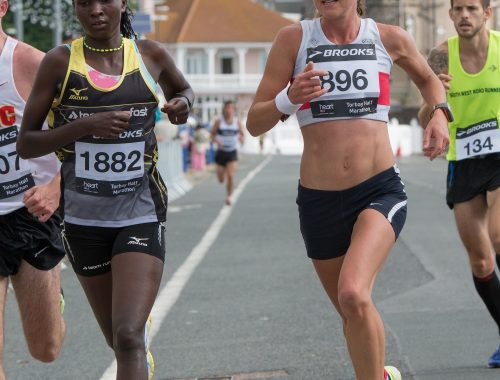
(263,114)
(177,91)
(404,53)
(35,142)
(438,61)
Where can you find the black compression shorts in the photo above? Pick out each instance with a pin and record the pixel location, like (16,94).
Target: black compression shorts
(90,249)
(327,218)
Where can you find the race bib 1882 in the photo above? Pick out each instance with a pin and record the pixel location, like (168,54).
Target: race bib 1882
(110,167)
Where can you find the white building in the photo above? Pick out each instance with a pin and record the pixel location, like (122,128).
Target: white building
(221,46)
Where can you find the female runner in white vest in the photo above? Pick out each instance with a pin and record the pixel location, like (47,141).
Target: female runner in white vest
(101,100)
(351,201)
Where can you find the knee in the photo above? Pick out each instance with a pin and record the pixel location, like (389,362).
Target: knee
(353,302)
(128,338)
(482,266)
(45,352)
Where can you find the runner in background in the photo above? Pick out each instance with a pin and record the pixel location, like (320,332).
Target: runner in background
(226,132)
(100,95)
(468,65)
(30,240)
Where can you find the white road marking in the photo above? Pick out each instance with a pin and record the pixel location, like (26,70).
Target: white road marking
(171,291)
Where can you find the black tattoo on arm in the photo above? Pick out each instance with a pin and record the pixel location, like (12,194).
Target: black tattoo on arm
(438,61)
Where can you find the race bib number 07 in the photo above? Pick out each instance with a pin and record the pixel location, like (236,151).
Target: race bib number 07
(15,173)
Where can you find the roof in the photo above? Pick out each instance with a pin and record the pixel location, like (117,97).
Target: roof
(220,21)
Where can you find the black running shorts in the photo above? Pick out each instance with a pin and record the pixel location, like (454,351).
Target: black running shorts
(327,218)
(222,158)
(90,249)
(469,178)
(23,237)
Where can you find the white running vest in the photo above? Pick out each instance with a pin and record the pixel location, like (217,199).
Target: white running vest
(358,79)
(228,134)
(16,175)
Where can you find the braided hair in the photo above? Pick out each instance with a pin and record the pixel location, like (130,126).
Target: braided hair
(126,24)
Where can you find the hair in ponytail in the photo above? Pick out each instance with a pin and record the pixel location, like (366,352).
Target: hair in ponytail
(126,24)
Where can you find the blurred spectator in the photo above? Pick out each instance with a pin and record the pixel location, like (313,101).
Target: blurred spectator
(199,145)
(185,140)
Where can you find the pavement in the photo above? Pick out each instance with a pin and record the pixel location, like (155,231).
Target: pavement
(240,300)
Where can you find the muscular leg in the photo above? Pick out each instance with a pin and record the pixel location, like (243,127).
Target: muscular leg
(221,171)
(136,279)
(4,282)
(38,297)
(349,281)
(472,223)
(98,291)
(230,172)
(493,200)
(471,219)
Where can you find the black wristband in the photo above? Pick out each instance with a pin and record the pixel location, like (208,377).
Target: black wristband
(187,100)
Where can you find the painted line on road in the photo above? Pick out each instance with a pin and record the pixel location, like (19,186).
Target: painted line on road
(171,291)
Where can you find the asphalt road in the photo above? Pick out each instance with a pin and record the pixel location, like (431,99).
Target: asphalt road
(239,297)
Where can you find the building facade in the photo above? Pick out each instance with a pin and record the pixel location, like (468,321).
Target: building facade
(221,46)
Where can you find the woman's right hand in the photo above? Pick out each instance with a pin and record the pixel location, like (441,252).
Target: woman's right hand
(307,85)
(107,125)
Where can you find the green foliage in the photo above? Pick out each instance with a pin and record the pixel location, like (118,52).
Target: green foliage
(38,21)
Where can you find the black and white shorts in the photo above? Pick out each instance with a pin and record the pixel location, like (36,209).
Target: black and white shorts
(90,249)
(222,158)
(327,218)
(23,237)
(469,178)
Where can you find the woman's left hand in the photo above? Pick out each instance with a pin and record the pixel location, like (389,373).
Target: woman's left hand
(177,110)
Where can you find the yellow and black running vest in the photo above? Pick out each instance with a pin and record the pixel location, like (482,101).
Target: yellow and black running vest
(110,182)
(475,102)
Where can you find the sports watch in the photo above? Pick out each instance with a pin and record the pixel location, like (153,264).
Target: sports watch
(446,109)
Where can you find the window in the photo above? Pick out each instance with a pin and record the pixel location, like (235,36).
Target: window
(226,64)
(196,63)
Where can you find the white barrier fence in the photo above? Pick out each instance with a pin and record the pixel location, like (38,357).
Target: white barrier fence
(286,138)
(170,167)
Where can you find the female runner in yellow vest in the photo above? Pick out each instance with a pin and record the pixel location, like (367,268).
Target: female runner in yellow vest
(100,98)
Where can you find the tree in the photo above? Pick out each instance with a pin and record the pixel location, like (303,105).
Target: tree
(39,21)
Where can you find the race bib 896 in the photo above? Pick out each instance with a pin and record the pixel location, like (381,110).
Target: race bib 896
(352,81)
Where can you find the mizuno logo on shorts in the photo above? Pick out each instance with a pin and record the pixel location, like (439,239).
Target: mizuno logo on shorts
(138,241)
